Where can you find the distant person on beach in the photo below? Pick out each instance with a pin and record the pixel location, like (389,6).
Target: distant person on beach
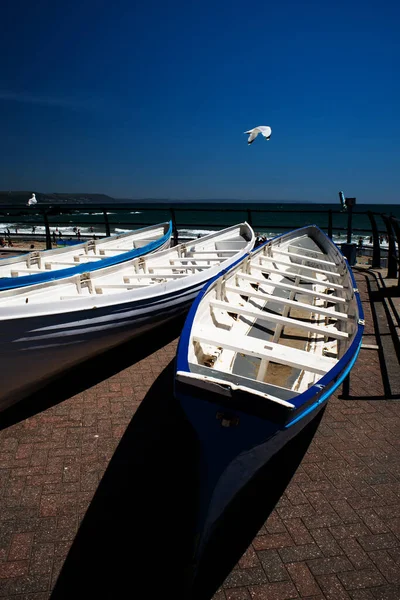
(78,233)
(16,229)
(33,229)
(54,238)
(91,229)
(360,245)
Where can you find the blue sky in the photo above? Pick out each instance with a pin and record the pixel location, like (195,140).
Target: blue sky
(151,99)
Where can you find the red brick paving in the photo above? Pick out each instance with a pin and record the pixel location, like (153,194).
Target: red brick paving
(334,534)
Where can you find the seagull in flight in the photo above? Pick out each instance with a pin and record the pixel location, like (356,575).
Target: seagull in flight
(32,200)
(266,132)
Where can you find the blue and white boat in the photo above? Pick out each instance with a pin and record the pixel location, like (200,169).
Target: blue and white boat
(47,265)
(49,327)
(264,346)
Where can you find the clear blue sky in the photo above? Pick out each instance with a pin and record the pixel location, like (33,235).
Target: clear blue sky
(151,98)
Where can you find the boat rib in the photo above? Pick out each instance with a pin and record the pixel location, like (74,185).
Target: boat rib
(251,346)
(270,316)
(282,285)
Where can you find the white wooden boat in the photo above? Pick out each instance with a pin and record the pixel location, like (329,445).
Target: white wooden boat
(45,265)
(49,327)
(264,346)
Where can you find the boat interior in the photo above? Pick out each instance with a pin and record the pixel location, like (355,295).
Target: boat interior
(276,323)
(160,267)
(90,251)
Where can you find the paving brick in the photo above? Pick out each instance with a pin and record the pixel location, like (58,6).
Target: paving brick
(245,577)
(273,591)
(386,565)
(273,565)
(326,566)
(299,553)
(326,542)
(249,559)
(332,588)
(298,531)
(236,594)
(20,547)
(387,592)
(275,540)
(355,553)
(362,595)
(303,579)
(364,578)
(378,541)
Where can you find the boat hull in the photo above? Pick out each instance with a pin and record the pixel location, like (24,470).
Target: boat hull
(241,417)
(235,445)
(35,349)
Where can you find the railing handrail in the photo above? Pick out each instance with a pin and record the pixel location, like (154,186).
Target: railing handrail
(174,210)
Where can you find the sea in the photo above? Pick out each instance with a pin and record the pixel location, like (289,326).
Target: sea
(198,218)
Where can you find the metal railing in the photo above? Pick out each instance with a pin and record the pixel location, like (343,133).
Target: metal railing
(254,217)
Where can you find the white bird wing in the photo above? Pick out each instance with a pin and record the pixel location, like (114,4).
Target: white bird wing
(253,134)
(266,131)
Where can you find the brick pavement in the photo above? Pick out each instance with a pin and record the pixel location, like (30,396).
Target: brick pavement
(96,481)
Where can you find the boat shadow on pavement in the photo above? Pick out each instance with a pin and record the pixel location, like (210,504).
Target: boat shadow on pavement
(136,537)
(91,372)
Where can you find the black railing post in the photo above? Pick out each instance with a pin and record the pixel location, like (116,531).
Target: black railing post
(330,224)
(107,223)
(249,217)
(376,251)
(349,204)
(174,227)
(396,227)
(47,228)
(346,387)
(392,262)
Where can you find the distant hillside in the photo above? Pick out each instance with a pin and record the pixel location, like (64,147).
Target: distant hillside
(21,198)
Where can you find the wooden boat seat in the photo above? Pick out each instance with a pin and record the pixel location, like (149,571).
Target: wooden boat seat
(154,276)
(269,316)
(278,391)
(271,270)
(210,382)
(195,252)
(65,263)
(298,266)
(86,258)
(303,257)
(307,250)
(194,259)
(288,286)
(30,271)
(229,244)
(328,312)
(292,357)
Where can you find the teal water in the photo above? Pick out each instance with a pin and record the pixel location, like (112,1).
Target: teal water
(196,218)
